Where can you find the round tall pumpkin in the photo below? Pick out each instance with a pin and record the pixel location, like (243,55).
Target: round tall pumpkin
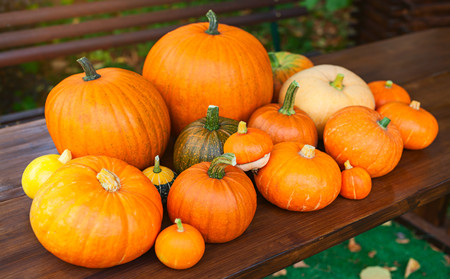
(112,112)
(97,211)
(209,63)
(325,89)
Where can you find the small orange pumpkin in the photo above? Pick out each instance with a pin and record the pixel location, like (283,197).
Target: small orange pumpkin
(180,246)
(417,126)
(215,197)
(387,91)
(250,145)
(356,182)
(285,122)
(97,212)
(299,177)
(284,65)
(364,137)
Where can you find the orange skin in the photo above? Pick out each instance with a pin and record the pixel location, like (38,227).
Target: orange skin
(293,182)
(280,127)
(250,146)
(417,126)
(353,134)
(384,95)
(356,183)
(80,222)
(193,69)
(180,249)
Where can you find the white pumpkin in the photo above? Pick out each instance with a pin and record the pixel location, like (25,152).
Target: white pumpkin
(320,99)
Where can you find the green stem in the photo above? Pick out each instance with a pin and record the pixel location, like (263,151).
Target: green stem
(88,68)
(242,128)
(384,122)
(274,62)
(212,118)
(388,84)
(289,99)
(179,225)
(218,165)
(337,83)
(213,23)
(156,167)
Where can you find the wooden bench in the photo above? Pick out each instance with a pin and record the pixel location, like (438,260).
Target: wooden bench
(22,40)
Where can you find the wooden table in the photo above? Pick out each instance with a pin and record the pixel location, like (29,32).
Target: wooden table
(276,238)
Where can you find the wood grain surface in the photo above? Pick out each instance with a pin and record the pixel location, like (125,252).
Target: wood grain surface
(276,238)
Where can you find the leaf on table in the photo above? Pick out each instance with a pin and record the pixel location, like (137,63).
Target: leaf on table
(387,224)
(375,272)
(301,264)
(280,273)
(434,248)
(353,246)
(372,254)
(401,238)
(411,267)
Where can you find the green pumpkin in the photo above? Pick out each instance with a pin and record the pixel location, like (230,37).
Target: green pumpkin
(203,139)
(162,177)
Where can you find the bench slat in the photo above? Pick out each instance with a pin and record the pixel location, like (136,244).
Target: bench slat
(38,35)
(14,57)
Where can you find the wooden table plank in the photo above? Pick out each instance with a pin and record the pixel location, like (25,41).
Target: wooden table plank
(276,238)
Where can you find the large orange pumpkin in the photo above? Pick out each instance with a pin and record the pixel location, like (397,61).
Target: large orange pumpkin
(97,211)
(112,112)
(213,64)
(362,136)
(299,178)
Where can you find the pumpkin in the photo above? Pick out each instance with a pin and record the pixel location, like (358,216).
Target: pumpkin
(285,122)
(284,65)
(213,63)
(202,140)
(215,197)
(417,126)
(162,177)
(356,182)
(385,91)
(251,146)
(326,89)
(40,169)
(365,138)
(180,246)
(299,177)
(112,112)
(97,212)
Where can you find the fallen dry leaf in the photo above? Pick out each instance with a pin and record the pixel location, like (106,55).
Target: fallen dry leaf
(372,254)
(401,238)
(447,259)
(387,224)
(375,272)
(434,248)
(412,266)
(300,264)
(391,268)
(353,246)
(280,273)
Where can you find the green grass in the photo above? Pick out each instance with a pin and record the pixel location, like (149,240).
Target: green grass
(339,262)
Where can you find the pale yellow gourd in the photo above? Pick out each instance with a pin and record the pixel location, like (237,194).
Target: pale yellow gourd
(325,89)
(40,169)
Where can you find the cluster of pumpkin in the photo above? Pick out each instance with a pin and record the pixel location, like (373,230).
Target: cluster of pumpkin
(102,208)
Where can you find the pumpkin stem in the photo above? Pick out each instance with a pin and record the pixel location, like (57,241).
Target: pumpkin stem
(347,165)
(213,23)
(156,167)
(274,62)
(415,105)
(109,180)
(384,122)
(289,99)
(88,68)
(242,128)
(65,157)
(212,118)
(388,84)
(337,83)
(308,151)
(218,165)
(179,225)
